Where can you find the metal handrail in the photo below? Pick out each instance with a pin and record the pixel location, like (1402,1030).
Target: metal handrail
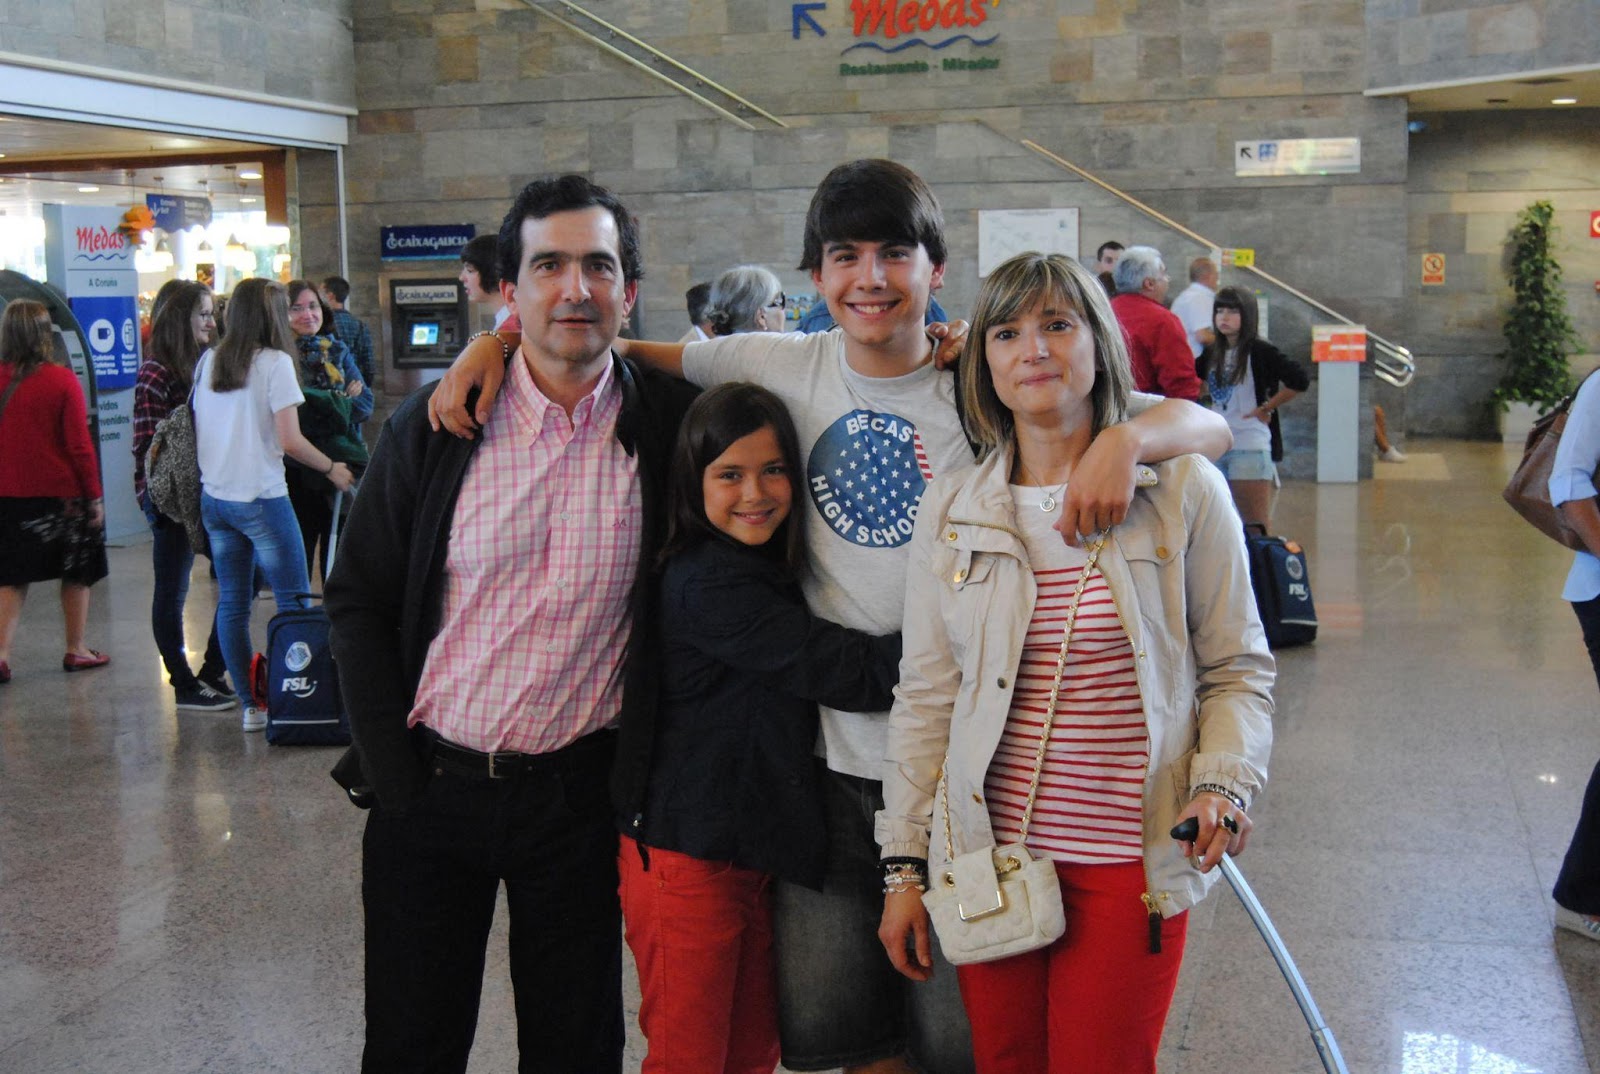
(617,31)
(1391,362)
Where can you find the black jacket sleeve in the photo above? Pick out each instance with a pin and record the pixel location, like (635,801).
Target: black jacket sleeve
(367,594)
(735,609)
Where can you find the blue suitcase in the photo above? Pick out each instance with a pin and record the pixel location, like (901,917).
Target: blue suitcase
(301,687)
(1282,585)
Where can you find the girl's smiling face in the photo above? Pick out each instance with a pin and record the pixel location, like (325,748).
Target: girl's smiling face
(747,489)
(305,313)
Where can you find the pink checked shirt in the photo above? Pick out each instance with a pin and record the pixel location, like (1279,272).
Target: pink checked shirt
(544,546)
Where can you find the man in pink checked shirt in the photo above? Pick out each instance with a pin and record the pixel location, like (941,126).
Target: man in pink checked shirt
(484,631)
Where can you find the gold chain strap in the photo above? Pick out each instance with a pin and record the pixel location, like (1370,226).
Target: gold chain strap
(1049,716)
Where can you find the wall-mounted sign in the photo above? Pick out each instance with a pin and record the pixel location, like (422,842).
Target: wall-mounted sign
(1297,156)
(1594,224)
(174,213)
(1004,233)
(896,37)
(1433,270)
(1338,343)
(1242,257)
(425,242)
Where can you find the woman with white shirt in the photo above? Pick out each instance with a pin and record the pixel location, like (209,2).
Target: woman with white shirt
(246,391)
(1247,380)
(1572,488)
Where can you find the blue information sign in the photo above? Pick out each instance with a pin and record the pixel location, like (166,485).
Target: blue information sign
(425,242)
(173,213)
(112,324)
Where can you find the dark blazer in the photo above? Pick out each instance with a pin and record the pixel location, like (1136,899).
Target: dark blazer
(1269,367)
(385,602)
(744,665)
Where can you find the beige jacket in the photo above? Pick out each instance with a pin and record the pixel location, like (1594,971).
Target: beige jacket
(1178,574)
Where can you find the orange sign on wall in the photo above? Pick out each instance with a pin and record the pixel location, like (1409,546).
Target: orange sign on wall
(1338,343)
(1432,270)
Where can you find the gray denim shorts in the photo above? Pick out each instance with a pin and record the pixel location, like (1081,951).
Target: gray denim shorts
(840,1002)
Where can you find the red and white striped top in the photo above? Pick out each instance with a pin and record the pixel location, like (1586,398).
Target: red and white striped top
(1089,806)
(544,546)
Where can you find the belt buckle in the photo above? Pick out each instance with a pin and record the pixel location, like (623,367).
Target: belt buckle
(492,774)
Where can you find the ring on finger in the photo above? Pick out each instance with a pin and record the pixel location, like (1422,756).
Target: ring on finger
(1230,823)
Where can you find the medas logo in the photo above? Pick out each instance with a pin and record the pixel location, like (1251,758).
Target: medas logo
(866,474)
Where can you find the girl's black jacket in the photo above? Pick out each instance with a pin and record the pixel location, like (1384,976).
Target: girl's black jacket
(1269,367)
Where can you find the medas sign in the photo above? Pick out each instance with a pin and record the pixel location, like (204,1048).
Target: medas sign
(892,19)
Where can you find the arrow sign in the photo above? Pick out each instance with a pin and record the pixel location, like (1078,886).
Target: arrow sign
(1244,151)
(802,14)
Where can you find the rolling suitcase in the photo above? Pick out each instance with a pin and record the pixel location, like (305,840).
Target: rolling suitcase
(296,679)
(1282,587)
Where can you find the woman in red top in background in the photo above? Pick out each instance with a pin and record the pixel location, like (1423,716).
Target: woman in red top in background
(52,522)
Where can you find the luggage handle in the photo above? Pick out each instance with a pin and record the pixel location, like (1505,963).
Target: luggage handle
(1259,527)
(1321,1035)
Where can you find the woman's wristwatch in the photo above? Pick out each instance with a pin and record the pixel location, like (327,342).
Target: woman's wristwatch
(1217,788)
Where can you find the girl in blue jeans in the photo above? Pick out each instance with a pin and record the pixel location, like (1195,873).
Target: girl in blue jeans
(245,394)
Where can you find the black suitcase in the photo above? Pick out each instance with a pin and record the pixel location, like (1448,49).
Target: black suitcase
(301,687)
(1282,585)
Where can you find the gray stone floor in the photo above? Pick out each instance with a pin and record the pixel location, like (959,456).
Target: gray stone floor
(176,897)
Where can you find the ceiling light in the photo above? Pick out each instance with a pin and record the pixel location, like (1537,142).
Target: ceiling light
(250,175)
(88,190)
(247,201)
(2,154)
(1563,100)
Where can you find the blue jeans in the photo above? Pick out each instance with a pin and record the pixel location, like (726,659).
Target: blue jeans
(244,534)
(173,560)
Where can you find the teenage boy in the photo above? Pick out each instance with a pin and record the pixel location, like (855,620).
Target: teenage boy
(877,420)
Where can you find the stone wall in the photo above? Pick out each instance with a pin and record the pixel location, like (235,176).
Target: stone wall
(1410,42)
(1471,173)
(286,48)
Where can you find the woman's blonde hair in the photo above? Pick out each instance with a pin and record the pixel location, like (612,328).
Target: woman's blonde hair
(258,316)
(1013,289)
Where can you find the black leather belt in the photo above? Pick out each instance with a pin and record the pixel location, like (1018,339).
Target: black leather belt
(475,764)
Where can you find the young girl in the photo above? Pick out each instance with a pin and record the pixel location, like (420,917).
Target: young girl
(246,396)
(1235,354)
(183,326)
(1142,654)
(733,798)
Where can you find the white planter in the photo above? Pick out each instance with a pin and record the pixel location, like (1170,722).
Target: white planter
(1517,422)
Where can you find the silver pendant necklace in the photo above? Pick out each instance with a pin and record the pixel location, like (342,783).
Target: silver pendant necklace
(1049,503)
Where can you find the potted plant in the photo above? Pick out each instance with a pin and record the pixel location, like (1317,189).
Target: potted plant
(1539,334)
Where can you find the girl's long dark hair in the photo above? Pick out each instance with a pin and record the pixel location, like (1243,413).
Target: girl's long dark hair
(727,413)
(27,339)
(1215,356)
(258,316)
(172,342)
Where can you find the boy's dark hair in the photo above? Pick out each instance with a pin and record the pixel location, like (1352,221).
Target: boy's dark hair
(338,287)
(873,201)
(716,419)
(696,299)
(482,252)
(1104,246)
(560,194)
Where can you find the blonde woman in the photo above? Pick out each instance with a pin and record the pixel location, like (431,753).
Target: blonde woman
(1163,710)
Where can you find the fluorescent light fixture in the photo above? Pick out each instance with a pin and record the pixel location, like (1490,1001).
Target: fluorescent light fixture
(1563,100)
(250,175)
(247,201)
(88,190)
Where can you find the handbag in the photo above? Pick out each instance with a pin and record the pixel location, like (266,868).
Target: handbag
(999,901)
(172,473)
(1528,491)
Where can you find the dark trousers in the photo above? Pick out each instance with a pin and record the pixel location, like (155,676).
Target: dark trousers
(430,876)
(1578,885)
(172,561)
(313,507)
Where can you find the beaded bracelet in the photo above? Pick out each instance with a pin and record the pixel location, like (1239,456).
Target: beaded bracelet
(1217,788)
(505,348)
(905,874)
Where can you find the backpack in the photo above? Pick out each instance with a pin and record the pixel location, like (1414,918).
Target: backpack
(172,475)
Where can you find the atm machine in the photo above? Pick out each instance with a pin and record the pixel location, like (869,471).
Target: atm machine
(425,325)
(72,346)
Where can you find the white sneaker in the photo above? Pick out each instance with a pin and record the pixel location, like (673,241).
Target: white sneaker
(255,719)
(1394,454)
(1578,923)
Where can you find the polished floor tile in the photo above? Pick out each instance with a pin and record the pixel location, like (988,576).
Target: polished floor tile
(176,897)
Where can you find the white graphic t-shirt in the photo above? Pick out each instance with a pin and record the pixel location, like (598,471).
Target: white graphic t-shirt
(869,446)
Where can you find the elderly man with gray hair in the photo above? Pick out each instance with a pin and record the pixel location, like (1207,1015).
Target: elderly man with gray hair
(1157,343)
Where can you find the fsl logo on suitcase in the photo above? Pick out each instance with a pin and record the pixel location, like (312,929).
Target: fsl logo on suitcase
(1282,587)
(303,703)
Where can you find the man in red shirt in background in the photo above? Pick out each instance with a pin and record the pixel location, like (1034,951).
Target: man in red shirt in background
(1157,342)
